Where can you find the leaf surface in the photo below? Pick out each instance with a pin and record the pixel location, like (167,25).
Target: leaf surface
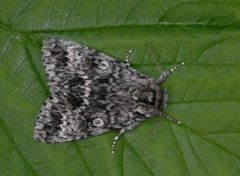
(204,94)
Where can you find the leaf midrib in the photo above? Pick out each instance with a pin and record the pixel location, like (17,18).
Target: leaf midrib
(24,36)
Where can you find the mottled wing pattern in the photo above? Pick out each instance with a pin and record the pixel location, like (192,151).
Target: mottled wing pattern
(91,93)
(63,115)
(62,59)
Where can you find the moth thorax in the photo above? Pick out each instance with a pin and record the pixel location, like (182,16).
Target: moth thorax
(162,99)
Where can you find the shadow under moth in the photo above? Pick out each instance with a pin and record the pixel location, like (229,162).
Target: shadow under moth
(93,93)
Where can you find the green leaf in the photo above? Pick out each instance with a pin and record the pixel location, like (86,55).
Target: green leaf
(204,94)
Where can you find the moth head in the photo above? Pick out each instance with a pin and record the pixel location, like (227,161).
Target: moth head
(154,97)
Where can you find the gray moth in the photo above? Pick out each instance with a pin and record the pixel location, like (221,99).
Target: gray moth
(93,93)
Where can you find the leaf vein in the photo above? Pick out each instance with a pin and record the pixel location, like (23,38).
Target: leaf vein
(212,142)
(196,154)
(77,148)
(35,71)
(19,34)
(20,12)
(201,101)
(219,133)
(70,13)
(133,150)
(181,151)
(19,152)
(237,164)
(19,65)
(5,49)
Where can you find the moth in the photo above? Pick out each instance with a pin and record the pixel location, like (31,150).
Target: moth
(93,93)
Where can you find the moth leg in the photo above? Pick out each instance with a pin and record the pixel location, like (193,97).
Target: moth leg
(116,139)
(123,130)
(127,57)
(165,74)
(165,116)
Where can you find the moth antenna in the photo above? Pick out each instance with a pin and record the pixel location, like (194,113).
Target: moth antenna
(165,74)
(165,116)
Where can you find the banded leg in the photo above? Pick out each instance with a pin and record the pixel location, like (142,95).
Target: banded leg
(165,74)
(123,130)
(165,116)
(127,57)
(116,139)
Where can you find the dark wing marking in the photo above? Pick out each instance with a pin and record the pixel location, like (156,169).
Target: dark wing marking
(59,122)
(63,59)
